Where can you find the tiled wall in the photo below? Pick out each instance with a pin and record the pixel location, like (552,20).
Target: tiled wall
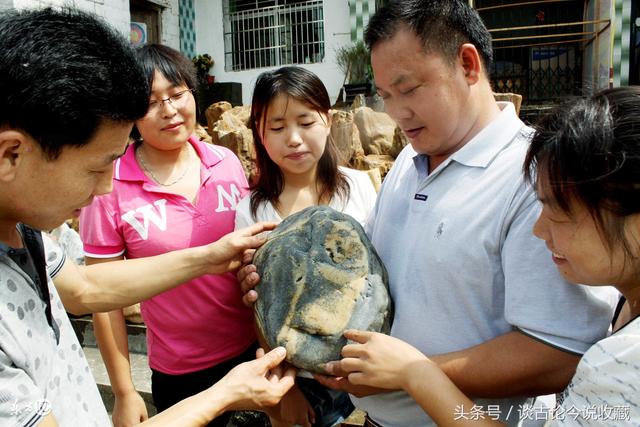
(187,28)
(359,13)
(622,43)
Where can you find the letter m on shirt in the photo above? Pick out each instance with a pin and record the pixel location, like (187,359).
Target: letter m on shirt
(156,213)
(231,198)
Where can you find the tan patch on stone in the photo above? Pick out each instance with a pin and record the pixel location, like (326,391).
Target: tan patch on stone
(291,339)
(330,316)
(343,243)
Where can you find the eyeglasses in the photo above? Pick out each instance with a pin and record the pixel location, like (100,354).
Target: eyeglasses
(177,100)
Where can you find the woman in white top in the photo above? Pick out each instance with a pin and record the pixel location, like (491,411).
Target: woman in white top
(297,168)
(585,162)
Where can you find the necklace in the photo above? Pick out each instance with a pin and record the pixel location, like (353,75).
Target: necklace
(151,174)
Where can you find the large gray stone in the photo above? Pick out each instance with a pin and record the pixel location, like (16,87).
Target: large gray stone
(319,276)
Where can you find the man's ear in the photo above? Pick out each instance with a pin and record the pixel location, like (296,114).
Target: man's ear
(13,147)
(471,63)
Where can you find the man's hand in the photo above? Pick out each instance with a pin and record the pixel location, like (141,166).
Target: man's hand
(248,278)
(251,385)
(228,252)
(255,384)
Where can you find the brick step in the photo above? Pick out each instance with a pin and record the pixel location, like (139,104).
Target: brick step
(136,333)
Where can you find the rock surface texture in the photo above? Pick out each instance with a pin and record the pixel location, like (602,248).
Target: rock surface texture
(319,276)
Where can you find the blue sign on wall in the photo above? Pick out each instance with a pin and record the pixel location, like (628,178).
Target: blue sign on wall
(547,53)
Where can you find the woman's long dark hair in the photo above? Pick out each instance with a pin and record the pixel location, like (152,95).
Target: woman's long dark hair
(303,86)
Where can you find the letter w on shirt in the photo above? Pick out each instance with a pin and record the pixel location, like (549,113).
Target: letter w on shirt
(149,215)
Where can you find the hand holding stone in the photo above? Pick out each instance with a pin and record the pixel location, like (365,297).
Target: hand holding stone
(248,278)
(342,383)
(379,360)
(319,275)
(253,385)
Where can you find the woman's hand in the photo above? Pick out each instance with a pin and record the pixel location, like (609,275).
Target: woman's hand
(128,410)
(377,360)
(248,278)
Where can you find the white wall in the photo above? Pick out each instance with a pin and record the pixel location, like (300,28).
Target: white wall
(210,39)
(115,12)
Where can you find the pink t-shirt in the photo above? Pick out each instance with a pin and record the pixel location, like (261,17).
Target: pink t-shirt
(202,322)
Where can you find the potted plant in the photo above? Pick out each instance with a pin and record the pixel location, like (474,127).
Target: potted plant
(204,95)
(203,64)
(354,61)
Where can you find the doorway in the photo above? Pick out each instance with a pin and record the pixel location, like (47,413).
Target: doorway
(149,14)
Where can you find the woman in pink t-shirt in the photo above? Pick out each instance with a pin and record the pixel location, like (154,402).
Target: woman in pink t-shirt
(171,191)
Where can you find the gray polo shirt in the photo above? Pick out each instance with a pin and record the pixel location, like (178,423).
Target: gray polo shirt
(38,373)
(464,266)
